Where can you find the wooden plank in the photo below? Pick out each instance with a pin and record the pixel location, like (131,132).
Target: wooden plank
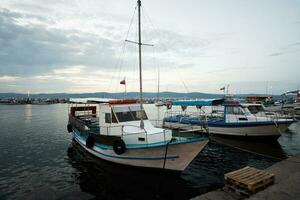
(235,172)
(240,173)
(252,176)
(245,175)
(263,176)
(263,183)
(249,178)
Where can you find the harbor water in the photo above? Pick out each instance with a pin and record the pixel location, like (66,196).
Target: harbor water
(37,152)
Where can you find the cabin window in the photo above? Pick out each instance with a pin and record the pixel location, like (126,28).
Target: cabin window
(124,116)
(107,118)
(130,113)
(234,110)
(113,118)
(140,114)
(131,116)
(255,109)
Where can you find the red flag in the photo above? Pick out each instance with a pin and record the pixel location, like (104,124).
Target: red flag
(123,82)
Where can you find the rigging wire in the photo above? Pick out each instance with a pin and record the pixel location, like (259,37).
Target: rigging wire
(120,59)
(255,153)
(165,48)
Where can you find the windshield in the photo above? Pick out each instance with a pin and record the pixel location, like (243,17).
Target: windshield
(235,110)
(129,113)
(255,109)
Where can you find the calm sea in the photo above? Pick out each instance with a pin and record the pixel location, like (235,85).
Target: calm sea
(37,152)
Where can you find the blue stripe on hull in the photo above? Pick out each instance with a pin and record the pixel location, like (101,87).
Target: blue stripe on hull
(226,124)
(77,138)
(144,146)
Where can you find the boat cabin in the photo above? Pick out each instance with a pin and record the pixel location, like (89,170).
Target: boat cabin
(120,118)
(215,110)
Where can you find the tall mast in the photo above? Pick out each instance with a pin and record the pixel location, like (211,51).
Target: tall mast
(158,80)
(140,64)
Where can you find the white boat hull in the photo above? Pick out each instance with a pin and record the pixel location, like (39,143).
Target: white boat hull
(268,131)
(177,158)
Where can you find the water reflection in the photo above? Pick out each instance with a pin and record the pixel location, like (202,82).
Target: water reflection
(271,150)
(106,180)
(28,113)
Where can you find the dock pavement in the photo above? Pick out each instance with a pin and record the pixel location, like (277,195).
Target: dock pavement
(285,187)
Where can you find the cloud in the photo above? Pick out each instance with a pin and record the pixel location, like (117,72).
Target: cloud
(73,45)
(8,78)
(35,48)
(290,48)
(70,70)
(295,44)
(276,54)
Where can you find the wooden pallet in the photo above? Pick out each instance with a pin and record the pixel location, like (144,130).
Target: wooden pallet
(249,178)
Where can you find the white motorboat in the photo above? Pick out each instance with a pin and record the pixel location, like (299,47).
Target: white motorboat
(259,110)
(111,131)
(226,118)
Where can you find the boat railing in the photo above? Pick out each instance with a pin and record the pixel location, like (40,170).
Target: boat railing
(124,133)
(259,118)
(78,123)
(185,114)
(117,130)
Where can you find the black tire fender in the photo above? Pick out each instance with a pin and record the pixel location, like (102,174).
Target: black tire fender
(119,146)
(90,141)
(169,105)
(69,128)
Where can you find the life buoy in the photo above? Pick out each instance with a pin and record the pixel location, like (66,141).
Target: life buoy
(90,141)
(69,128)
(119,146)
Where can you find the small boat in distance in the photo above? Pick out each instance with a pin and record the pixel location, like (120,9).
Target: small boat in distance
(119,131)
(226,118)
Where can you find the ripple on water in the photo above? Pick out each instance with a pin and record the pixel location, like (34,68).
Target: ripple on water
(35,152)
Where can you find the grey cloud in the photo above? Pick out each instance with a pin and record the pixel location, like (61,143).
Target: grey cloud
(290,48)
(34,49)
(276,54)
(295,44)
(30,49)
(172,41)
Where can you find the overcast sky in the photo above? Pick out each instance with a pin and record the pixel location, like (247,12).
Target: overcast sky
(199,45)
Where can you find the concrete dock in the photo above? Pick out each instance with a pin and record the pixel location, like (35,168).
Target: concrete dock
(286,185)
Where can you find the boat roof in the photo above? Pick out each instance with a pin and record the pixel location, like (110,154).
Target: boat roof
(207,102)
(90,100)
(252,104)
(103,101)
(198,102)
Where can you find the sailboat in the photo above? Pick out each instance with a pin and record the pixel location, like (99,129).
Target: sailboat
(119,131)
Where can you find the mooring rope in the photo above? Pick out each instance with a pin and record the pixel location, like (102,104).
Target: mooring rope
(252,152)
